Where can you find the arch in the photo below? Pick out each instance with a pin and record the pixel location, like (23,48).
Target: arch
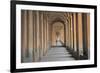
(64,29)
(64,20)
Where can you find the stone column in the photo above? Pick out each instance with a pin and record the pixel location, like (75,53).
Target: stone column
(80,36)
(47,33)
(75,47)
(37,35)
(34,36)
(77,32)
(88,34)
(43,25)
(68,27)
(23,35)
(71,29)
(85,42)
(42,33)
(66,30)
(30,35)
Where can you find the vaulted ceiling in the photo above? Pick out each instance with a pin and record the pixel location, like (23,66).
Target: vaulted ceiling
(57,17)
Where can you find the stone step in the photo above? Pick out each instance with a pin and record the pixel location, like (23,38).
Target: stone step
(57,54)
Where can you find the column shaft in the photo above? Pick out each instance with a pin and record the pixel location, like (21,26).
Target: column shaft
(30,34)
(75,41)
(80,36)
(24,35)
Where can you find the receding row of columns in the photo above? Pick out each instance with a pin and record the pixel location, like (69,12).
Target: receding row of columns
(34,32)
(79,35)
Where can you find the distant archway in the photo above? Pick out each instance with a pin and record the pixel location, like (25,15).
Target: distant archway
(58,34)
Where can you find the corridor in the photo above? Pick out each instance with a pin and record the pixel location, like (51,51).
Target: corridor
(54,36)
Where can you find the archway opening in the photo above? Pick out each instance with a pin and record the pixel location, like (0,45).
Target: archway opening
(58,34)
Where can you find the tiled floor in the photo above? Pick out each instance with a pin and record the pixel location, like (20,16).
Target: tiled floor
(57,54)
